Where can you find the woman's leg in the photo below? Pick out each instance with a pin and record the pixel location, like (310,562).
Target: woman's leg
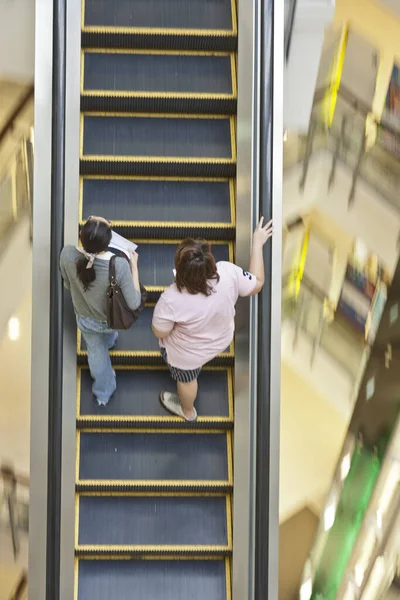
(187,393)
(104,383)
(98,340)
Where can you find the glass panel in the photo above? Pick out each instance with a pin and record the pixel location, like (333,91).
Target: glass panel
(6,203)
(15,186)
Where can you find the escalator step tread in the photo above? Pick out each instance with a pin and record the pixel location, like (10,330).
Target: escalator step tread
(152,520)
(164,73)
(157,200)
(139,338)
(112,136)
(138,394)
(150,579)
(157,261)
(153,456)
(170,14)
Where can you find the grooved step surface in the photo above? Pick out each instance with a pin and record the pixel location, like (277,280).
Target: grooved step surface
(153,456)
(157,137)
(178,73)
(152,579)
(152,520)
(164,201)
(181,14)
(156,262)
(139,338)
(138,394)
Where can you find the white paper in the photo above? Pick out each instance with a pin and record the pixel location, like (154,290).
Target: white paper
(120,243)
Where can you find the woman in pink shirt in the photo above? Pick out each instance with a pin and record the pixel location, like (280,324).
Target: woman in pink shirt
(194,318)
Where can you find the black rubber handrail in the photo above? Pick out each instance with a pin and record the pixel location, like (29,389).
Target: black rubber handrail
(261,557)
(56,303)
(22,104)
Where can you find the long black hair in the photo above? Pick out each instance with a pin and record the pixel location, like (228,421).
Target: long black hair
(95,237)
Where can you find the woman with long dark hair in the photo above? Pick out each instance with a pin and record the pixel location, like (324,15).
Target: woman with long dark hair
(85,271)
(194,318)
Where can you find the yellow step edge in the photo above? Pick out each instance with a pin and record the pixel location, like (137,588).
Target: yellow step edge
(211,33)
(152,548)
(228,577)
(157,494)
(170,224)
(159,178)
(156,557)
(155,115)
(145,353)
(163,95)
(159,430)
(143,484)
(167,52)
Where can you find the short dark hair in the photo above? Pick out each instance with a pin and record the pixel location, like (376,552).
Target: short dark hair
(95,236)
(195,267)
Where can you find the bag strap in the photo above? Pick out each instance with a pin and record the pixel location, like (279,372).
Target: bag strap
(111,272)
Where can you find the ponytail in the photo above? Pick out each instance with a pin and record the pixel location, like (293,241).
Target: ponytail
(95,237)
(86,276)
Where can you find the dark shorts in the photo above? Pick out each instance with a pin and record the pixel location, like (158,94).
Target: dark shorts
(179,374)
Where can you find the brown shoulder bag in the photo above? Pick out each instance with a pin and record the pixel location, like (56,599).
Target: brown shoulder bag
(119,315)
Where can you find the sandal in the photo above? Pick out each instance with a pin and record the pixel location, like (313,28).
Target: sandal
(172,404)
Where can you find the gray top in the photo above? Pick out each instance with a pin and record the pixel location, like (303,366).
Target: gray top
(92,303)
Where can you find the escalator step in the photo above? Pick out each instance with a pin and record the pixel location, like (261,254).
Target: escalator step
(156,262)
(162,208)
(159,14)
(156,82)
(163,146)
(151,579)
(136,400)
(154,461)
(139,346)
(109,523)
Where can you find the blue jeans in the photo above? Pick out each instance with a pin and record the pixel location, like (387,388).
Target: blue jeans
(99,339)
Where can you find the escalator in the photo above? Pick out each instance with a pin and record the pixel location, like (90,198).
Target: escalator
(158,158)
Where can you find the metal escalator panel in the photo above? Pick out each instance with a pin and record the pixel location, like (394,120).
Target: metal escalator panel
(158,158)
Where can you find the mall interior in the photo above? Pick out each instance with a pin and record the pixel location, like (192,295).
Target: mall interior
(180,71)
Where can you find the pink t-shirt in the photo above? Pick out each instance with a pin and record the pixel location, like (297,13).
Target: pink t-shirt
(199,327)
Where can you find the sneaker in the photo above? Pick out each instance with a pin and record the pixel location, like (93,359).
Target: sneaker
(172,403)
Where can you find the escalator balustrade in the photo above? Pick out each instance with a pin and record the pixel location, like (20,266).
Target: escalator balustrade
(158,158)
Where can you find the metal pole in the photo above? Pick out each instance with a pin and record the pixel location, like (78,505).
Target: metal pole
(357,172)
(337,152)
